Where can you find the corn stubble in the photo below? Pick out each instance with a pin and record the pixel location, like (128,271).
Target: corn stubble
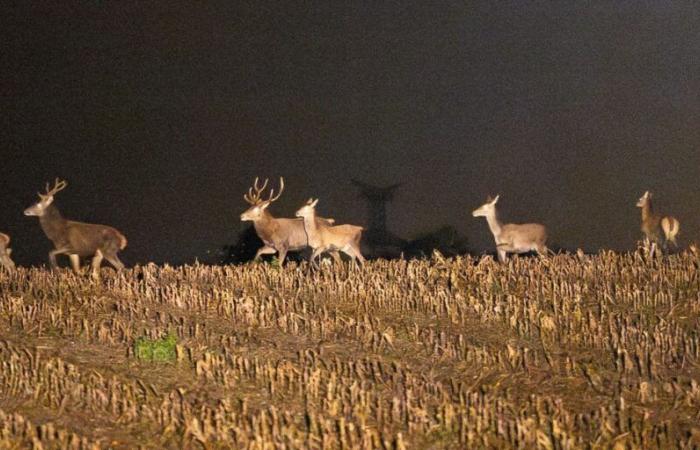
(562,353)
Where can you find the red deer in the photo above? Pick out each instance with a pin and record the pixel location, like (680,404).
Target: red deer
(5,252)
(325,237)
(76,239)
(657,230)
(278,235)
(513,238)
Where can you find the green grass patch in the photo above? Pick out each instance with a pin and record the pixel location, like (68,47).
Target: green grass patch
(156,350)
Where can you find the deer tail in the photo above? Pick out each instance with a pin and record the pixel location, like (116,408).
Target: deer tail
(122,241)
(671,227)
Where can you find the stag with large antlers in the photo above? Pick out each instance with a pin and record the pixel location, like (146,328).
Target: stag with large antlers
(278,235)
(657,230)
(511,237)
(76,239)
(324,237)
(5,251)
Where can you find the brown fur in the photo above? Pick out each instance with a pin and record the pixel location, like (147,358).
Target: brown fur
(657,229)
(278,235)
(5,251)
(76,239)
(328,238)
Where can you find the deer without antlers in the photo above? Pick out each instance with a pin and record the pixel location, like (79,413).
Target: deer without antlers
(325,237)
(279,235)
(653,225)
(5,252)
(512,238)
(76,239)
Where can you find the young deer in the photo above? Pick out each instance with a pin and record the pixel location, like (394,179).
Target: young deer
(324,237)
(76,239)
(5,252)
(513,238)
(278,235)
(654,225)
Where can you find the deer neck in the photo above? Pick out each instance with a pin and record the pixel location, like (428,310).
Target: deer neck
(494,224)
(310,226)
(53,223)
(647,212)
(263,226)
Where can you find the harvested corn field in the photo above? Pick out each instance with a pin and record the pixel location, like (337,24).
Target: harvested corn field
(560,353)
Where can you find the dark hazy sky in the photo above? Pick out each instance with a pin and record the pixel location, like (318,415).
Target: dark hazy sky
(160,117)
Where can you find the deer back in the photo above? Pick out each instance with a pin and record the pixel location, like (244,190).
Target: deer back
(339,235)
(523,234)
(85,239)
(284,232)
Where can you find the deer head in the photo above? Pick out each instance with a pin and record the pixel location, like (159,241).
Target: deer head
(644,199)
(258,205)
(38,208)
(308,210)
(487,208)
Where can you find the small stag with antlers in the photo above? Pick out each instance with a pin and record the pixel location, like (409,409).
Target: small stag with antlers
(513,238)
(278,235)
(325,237)
(76,239)
(657,230)
(5,252)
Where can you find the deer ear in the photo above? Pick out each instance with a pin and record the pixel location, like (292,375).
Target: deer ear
(496,199)
(313,204)
(264,205)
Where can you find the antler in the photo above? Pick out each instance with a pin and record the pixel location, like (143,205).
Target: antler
(58,186)
(272,191)
(254,197)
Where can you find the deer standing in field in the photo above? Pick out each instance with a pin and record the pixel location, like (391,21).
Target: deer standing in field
(278,235)
(5,252)
(513,238)
(76,239)
(658,230)
(325,237)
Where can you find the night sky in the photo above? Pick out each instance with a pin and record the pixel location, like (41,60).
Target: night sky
(160,117)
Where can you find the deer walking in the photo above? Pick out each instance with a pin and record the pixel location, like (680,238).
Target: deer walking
(278,235)
(326,237)
(5,252)
(658,230)
(512,238)
(76,239)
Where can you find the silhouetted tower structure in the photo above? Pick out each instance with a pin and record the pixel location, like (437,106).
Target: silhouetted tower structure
(378,239)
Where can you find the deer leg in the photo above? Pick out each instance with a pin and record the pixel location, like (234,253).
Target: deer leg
(501,255)
(282,255)
(52,256)
(357,254)
(264,250)
(317,251)
(348,251)
(652,250)
(96,262)
(336,257)
(114,261)
(75,262)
